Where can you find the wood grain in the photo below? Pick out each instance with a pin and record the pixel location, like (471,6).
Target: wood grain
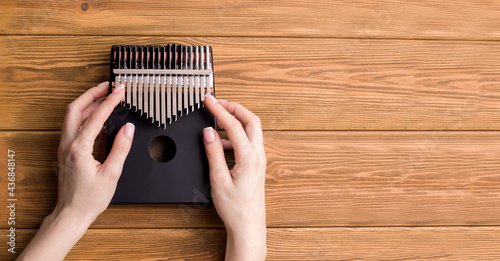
(352,95)
(429,19)
(313,179)
(388,243)
(291,83)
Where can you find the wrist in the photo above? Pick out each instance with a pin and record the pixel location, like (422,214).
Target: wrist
(246,243)
(65,218)
(59,232)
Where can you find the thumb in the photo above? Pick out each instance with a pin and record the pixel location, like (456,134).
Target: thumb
(219,173)
(121,147)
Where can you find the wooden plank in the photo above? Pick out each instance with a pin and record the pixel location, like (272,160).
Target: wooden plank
(313,179)
(291,83)
(137,244)
(429,19)
(385,243)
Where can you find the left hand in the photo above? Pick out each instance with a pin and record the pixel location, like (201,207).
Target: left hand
(85,185)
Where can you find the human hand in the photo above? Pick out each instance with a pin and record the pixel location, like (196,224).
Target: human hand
(85,185)
(238,194)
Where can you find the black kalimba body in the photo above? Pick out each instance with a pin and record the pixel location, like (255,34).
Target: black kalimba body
(165,87)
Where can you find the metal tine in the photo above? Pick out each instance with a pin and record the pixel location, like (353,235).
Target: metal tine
(197,77)
(174,83)
(185,81)
(117,64)
(128,83)
(179,81)
(169,85)
(162,96)
(151,84)
(140,63)
(146,81)
(157,89)
(209,66)
(134,79)
(191,80)
(123,65)
(204,79)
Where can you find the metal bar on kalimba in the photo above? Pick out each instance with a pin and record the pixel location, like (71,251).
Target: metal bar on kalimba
(151,84)
(151,98)
(202,63)
(209,67)
(169,99)
(134,92)
(134,78)
(174,83)
(197,77)
(117,82)
(162,79)
(179,81)
(146,81)
(141,80)
(191,79)
(146,95)
(157,99)
(163,122)
(128,82)
(185,80)
(168,64)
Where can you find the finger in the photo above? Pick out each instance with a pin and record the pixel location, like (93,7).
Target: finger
(121,146)
(86,113)
(219,127)
(233,127)
(73,119)
(251,123)
(219,173)
(96,120)
(226,144)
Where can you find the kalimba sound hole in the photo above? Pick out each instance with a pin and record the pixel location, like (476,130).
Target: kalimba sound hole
(162,149)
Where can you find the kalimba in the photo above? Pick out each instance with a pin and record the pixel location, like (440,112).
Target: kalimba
(165,87)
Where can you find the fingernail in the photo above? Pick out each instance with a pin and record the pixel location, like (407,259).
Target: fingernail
(118,88)
(209,135)
(103,83)
(221,100)
(210,97)
(129,130)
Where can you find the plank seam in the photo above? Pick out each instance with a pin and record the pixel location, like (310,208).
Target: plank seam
(263,36)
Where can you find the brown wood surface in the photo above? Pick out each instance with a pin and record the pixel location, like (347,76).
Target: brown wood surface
(429,19)
(313,179)
(388,243)
(292,84)
(381,118)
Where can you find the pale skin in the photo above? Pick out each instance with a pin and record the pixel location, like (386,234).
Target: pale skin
(86,186)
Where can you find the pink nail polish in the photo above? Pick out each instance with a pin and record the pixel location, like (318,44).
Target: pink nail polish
(209,135)
(129,130)
(103,83)
(118,88)
(210,97)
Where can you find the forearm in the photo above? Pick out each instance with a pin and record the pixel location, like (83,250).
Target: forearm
(59,232)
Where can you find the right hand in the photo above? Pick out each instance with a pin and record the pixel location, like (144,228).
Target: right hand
(238,194)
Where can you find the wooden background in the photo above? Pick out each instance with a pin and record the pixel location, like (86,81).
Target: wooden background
(381,122)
